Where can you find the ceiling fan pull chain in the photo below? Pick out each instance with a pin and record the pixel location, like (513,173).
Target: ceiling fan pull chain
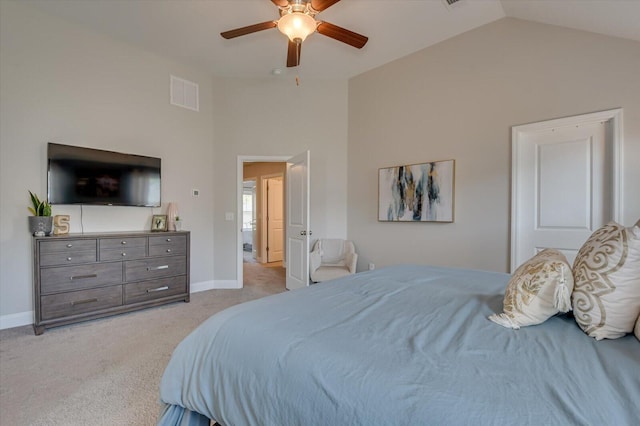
(297,81)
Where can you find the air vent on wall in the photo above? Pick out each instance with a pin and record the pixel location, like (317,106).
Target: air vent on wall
(453,3)
(184,93)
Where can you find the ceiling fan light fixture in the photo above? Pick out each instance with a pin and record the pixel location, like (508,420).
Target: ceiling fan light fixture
(297,26)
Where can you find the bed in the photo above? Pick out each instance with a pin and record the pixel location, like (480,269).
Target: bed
(403,345)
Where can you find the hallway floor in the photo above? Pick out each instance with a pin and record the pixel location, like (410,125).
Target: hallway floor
(262,274)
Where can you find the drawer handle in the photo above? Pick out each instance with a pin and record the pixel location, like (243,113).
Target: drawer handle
(158,267)
(68,258)
(124,254)
(168,250)
(151,290)
(123,242)
(69,245)
(81,302)
(83,277)
(168,240)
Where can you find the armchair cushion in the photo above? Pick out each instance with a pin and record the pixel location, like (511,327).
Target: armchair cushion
(332,258)
(332,251)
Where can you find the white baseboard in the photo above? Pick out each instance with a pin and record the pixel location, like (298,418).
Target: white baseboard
(214,285)
(26,318)
(201,286)
(16,320)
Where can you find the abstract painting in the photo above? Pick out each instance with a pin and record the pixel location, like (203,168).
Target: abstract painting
(416,192)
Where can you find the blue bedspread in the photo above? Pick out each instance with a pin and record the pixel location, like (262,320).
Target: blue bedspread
(405,345)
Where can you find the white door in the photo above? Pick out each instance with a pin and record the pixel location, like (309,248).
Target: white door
(297,217)
(564,183)
(275,220)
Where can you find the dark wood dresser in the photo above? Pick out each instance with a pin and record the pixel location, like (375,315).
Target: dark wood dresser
(78,277)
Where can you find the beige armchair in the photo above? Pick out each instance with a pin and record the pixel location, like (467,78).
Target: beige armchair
(332,258)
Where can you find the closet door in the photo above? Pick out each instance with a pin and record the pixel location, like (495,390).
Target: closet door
(565,183)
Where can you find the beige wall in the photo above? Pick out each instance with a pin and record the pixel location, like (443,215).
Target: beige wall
(256,171)
(274,117)
(459,99)
(63,83)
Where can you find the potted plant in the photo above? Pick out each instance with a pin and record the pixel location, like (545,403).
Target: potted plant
(41,223)
(178,223)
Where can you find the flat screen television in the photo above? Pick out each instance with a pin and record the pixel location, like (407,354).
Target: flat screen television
(79,175)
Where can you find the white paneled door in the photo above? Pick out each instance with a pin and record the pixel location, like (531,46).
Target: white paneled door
(297,218)
(275,219)
(565,183)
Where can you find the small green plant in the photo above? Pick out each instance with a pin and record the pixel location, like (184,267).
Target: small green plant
(177,218)
(39,208)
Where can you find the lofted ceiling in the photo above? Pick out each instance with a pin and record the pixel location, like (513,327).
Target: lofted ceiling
(189,30)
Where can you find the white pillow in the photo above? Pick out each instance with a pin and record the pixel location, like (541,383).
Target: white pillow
(606,272)
(538,289)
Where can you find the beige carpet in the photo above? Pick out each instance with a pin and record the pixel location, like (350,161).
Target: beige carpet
(107,372)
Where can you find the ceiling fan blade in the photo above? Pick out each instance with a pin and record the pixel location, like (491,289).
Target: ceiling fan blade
(342,34)
(320,5)
(293,54)
(248,30)
(280,3)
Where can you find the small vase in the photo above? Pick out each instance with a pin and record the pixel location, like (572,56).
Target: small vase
(40,225)
(178,224)
(172,213)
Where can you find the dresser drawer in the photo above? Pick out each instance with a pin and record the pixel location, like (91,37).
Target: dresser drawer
(136,270)
(67,258)
(79,277)
(168,245)
(112,243)
(79,302)
(168,249)
(67,246)
(154,289)
(168,239)
(122,253)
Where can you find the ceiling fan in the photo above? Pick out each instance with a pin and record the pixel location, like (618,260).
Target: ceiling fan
(298,20)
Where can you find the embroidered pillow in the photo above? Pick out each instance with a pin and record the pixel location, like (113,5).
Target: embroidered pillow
(606,272)
(538,289)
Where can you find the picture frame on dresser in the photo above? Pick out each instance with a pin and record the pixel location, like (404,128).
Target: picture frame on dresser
(159,223)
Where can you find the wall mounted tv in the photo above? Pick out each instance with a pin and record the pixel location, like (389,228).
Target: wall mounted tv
(79,175)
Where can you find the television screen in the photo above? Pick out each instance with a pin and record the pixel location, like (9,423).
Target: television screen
(79,175)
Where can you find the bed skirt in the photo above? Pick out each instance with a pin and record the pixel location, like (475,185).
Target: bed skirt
(174,415)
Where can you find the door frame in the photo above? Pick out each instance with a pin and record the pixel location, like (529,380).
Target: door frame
(239,179)
(614,116)
(263,209)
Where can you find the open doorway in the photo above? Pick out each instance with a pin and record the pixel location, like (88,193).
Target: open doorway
(297,224)
(262,223)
